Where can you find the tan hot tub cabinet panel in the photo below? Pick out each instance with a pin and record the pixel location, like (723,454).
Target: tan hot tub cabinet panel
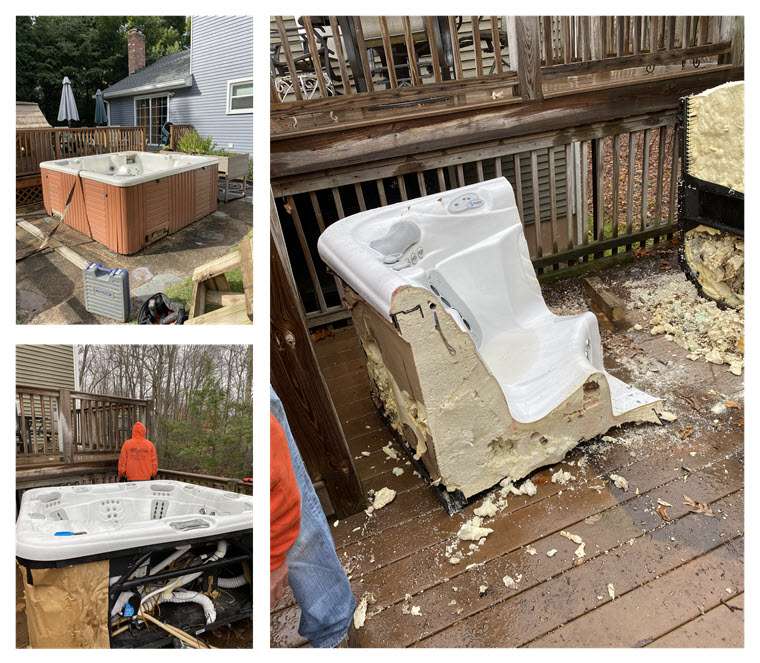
(67,608)
(442,399)
(127,219)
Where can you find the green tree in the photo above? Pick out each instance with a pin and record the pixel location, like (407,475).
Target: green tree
(90,50)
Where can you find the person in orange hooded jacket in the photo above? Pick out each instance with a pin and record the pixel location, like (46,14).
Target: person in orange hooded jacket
(138,460)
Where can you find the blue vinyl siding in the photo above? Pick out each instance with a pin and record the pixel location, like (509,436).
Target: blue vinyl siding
(221,51)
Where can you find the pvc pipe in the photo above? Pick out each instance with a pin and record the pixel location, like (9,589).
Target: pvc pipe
(181,550)
(219,553)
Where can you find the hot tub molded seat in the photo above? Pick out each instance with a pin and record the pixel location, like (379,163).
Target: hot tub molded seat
(69,522)
(472,368)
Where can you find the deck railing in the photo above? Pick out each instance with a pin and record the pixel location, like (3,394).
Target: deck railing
(59,425)
(211,481)
(34,146)
(176,131)
(607,189)
(319,57)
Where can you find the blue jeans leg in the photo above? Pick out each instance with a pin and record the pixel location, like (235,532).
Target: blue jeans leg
(315,573)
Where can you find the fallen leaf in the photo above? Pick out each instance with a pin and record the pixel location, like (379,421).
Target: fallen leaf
(686,432)
(732,404)
(611,590)
(662,511)
(697,507)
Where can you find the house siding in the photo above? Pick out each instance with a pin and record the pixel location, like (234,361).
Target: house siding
(221,51)
(45,366)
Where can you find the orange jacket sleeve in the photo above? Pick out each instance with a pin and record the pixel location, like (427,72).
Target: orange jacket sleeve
(284,497)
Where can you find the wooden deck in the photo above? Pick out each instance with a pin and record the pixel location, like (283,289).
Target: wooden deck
(676,583)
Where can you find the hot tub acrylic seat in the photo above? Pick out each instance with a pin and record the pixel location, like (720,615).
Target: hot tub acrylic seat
(470,365)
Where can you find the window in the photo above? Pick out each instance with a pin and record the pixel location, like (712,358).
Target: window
(151,114)
(240,96)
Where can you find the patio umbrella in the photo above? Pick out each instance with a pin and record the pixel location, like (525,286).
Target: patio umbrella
(101,117)
(67,111)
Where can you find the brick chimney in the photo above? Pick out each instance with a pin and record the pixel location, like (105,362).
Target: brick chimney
(135,50)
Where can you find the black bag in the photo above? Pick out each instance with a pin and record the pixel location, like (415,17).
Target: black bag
(157,310)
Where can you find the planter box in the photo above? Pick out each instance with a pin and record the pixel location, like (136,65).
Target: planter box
(234,166)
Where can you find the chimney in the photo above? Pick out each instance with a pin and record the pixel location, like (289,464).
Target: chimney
(135,50)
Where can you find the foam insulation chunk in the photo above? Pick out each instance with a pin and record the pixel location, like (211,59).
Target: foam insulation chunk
(487,509)
(716,135)
(383,497)
(472,530)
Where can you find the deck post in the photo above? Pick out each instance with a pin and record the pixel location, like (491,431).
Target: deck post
(65,431)
(528,57)
(737,42)
(298,380)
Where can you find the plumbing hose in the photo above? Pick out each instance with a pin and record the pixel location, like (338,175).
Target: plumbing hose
(232,583)
(219,553)
(193,597)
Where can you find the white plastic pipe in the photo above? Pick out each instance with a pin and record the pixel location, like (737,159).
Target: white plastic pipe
(232,583)
(219,553)
(193,597)
(175,555)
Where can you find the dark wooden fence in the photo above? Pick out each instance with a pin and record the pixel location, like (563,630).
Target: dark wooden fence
(604,189)
(70,426)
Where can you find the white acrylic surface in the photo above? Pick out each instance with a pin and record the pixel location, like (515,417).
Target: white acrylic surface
(472,253)
(118,516)
(129,168)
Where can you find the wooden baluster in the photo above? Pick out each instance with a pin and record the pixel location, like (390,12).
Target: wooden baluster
(338,39)
(388,50)
(285,46)
(477,46)
(458,71)
(411,53)
(567,44)
(434,49)
(361,46)
(496,36)
(314,54)
(293,211)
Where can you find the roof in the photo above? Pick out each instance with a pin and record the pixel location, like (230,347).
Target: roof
(29,116)
(167,73)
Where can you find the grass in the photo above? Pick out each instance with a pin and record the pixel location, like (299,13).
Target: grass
(182,291)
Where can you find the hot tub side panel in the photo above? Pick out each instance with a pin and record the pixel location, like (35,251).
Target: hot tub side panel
(126,219)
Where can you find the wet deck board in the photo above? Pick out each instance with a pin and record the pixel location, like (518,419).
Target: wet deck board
(671,578)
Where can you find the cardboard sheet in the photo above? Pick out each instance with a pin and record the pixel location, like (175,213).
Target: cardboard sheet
(67,608)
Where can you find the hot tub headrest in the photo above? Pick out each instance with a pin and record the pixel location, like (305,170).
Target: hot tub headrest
(400,236)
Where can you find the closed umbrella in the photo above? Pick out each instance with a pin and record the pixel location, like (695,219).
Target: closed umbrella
(67,111)
(101,117)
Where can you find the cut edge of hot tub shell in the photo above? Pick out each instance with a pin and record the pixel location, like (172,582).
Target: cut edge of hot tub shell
(451,409)
(125,219)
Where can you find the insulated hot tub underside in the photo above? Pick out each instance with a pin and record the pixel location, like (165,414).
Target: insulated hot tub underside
(126,219)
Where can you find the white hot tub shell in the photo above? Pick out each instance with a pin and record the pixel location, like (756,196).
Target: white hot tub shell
(99,520)
(468,363)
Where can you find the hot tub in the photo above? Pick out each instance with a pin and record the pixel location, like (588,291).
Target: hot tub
(92,558)
(471,368)
(70,522)
(127,200)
